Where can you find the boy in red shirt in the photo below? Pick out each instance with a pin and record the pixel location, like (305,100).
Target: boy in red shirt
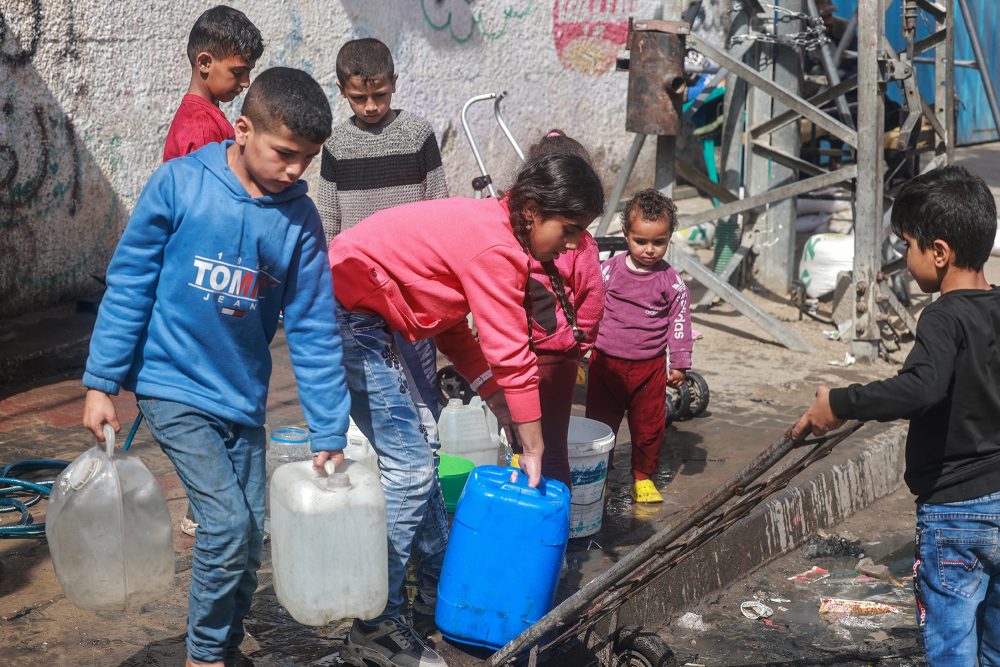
(223,47)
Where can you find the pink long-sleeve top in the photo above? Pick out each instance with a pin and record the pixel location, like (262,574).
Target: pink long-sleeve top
(424,266)
(645,313)
(581,273)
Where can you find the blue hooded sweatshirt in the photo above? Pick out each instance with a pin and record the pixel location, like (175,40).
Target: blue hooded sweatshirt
(195,288)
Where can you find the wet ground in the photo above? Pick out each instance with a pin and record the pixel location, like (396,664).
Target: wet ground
(758,389)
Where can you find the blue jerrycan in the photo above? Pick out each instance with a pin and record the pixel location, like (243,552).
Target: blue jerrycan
(504,552)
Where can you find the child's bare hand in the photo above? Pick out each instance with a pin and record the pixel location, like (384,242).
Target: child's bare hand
(320,459)
(530,465)
(819,416)
(676,377)
(98,410)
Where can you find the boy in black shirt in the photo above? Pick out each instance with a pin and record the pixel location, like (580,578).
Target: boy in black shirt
(949,389)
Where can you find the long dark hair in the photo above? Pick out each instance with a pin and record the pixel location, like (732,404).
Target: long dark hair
(558,183)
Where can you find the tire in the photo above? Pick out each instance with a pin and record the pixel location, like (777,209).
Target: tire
(678,403)
(699,393)
(452,385)
(634,647)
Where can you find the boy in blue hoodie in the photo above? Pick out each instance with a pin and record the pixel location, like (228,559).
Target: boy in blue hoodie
(219,243)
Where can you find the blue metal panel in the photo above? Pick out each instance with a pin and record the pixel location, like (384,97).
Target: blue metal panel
(975,123)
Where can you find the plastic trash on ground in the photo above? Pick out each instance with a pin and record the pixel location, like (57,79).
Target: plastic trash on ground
(755,609)
(691,621)
(109,531)
(855,607)
(815,573)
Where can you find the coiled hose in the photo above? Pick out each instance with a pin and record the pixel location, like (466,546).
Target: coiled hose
(18,495)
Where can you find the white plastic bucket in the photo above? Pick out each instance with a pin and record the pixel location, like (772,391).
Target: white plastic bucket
(590,445)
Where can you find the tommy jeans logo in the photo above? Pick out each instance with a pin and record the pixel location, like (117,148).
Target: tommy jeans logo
(237,288)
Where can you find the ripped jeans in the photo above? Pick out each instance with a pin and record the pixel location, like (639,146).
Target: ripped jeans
(387,407)
(957,581)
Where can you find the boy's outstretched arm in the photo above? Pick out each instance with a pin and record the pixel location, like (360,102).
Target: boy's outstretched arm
(819,416)
(128,302)
(921,384)
(314,342)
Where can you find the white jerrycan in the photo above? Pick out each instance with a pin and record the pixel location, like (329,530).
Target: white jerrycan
(328,542)
(464,432)
(109,531)
(360,449)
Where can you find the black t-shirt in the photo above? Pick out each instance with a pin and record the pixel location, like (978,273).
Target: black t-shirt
(949,389)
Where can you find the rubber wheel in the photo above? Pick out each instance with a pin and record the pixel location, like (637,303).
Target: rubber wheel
(678,403)
(452,385)
(699,392)
(635,647)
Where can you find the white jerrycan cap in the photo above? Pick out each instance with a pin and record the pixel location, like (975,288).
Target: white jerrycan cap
(336,480)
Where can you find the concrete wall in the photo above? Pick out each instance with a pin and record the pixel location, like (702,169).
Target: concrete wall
(88,88)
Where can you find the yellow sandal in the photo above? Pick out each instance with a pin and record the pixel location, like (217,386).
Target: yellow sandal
(644,491)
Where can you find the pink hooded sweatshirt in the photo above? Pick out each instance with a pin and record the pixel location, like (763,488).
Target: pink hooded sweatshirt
(424,266)
(581,273)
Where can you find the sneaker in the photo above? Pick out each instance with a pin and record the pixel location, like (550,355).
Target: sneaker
(391,643)
(644,491)
(188,526)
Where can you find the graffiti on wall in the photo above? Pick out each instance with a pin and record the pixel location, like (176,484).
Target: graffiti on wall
(589,33)
(53,235)
(462,19)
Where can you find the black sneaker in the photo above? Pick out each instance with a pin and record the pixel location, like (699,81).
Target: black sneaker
(391,643)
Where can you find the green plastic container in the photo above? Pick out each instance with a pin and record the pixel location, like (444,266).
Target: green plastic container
(453,471)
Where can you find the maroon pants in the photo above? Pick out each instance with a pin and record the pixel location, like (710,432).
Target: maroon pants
(616,386)
(556,382)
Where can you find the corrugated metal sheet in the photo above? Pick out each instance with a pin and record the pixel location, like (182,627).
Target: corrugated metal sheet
(975,123)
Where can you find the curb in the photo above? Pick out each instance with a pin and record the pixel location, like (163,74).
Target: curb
(775,528)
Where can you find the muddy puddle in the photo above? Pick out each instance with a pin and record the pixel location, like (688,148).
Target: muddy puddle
(821,611)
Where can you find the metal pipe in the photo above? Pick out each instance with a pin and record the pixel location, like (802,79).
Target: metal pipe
(970,64)
(503,125)
(816,100)
(830,67)
(785,191)
(623,176)
(845,39)
(827,122)
(472,142)
(984,67)
(870,181)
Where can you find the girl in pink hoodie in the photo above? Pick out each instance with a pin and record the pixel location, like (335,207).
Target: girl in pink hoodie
(567,300)
(419,270)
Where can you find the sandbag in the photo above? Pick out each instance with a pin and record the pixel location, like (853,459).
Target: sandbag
(823,257)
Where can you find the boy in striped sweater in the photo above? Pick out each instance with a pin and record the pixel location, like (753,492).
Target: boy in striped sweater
(380,158)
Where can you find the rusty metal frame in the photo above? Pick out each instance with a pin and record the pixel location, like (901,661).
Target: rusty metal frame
(758,141)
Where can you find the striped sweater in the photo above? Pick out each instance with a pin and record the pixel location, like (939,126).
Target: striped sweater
(365,171)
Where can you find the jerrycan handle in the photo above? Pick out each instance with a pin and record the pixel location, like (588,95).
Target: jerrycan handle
(109,440)
(521,479)
(335,480)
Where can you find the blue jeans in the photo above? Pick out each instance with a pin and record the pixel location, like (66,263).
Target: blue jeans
(957,581)
(222,468)
(400,426)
